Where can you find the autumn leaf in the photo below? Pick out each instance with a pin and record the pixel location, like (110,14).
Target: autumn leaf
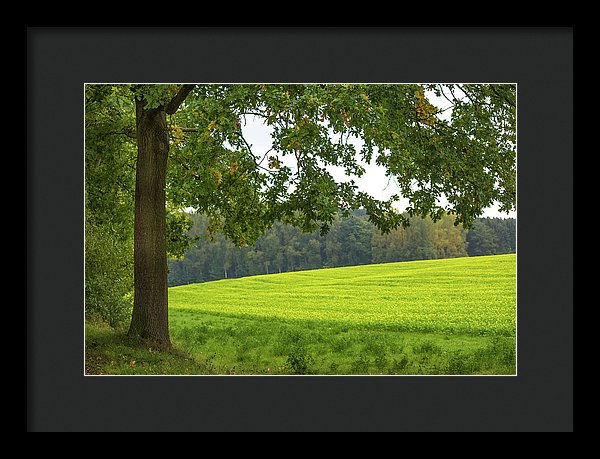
(177,134)
(217,175)
(274,162)
(345,119)
(425,111)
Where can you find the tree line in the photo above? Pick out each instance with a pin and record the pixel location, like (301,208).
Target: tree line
(352,240)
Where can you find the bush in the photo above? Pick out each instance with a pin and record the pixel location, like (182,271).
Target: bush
(340,343)
(288,341)
(400,365)
(299,361)
(459,364)
(427,347)
(108,275)
(360,365)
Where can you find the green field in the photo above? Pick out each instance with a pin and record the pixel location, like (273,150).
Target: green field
(451,316)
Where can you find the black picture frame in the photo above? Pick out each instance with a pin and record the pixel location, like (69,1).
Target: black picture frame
(61,398)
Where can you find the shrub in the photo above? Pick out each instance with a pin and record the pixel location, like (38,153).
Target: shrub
(108,275)
(340,343)
(360,365)
(400,365)
(428,347)
(299,361)
(458,364)
(288,341)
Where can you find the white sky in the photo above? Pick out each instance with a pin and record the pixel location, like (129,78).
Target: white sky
(373,181)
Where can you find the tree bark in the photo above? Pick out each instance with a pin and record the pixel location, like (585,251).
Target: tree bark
(150,305)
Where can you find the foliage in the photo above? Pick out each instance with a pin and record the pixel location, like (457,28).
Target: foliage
(424,239)
(469,159)
(299,361)
(109,187)
(178,228)
(491,236)
(108,275)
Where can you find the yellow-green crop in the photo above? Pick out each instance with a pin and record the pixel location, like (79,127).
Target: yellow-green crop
(474,295)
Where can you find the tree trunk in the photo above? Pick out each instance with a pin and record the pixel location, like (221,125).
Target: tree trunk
(150,305)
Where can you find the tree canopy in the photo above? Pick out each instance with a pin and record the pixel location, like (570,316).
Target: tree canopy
(468,158)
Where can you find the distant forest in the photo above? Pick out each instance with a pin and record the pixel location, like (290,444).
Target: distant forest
(351,241)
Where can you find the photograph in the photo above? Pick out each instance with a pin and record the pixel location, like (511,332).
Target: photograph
(300,229)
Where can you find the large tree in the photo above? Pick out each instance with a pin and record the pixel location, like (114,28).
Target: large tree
(191,152)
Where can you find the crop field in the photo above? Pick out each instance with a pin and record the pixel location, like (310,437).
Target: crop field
(450,316)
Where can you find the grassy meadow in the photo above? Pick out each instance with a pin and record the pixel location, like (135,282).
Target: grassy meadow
(450,316)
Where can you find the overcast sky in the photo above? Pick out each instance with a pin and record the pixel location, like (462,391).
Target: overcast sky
(373,181)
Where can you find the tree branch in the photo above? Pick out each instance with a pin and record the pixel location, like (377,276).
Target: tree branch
(265,155)
(509,102)
(251,155)
(259,114)
(248,147)
(178,98)
(445,96)
(125,133)
(462,88)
